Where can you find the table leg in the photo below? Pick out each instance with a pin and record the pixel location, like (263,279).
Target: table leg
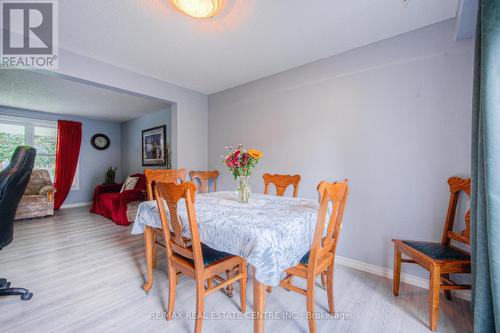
(259,304)
(148,244)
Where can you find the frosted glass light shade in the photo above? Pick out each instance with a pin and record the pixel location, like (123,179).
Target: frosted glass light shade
(198,8)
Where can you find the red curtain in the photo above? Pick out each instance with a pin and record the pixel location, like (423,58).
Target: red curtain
(69,140)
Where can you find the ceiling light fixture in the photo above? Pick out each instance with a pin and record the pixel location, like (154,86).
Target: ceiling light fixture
(198,8)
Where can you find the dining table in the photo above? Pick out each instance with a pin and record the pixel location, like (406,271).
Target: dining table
(271,232)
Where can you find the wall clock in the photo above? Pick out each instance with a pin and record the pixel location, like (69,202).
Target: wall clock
(100,141)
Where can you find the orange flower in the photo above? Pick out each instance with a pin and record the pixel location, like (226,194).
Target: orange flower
(254,153)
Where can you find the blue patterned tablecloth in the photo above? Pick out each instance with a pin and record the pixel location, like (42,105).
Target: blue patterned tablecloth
(272,233)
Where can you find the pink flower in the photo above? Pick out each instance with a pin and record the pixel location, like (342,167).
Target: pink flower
(244,158)
(229,161)
(236,161)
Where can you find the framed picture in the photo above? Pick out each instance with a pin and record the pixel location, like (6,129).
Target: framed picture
(154,146)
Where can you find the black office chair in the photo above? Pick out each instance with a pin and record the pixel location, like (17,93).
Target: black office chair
(13,182)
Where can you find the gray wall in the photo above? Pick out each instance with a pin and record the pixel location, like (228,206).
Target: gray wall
(393,117)
(132,137)
(93,163)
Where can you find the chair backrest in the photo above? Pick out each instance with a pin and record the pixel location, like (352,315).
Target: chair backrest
(172,193)
(457,185)
(162,176)
(333,198)
(204,177)
(281,182)
(38,179)
(13,182)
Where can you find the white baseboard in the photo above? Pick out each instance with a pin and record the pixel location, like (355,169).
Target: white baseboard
(78,204)
(388,273)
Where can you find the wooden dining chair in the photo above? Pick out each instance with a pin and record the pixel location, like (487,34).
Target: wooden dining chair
(321,256)
(281,182)
(190,256)
(204,177)
(154,176)
(440,259)
(164,176)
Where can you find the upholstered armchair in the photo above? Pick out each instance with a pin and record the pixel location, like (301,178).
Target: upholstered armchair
(38,198)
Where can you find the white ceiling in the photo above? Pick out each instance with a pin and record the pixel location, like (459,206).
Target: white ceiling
(247,40)
(41,92)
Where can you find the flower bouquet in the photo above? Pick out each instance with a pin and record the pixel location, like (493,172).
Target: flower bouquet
(240,163)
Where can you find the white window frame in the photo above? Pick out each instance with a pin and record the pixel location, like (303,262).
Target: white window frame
(29,137)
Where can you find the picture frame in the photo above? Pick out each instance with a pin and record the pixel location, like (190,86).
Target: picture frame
(154,146)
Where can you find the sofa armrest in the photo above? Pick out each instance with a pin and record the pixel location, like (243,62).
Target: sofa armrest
(108,188)
(100,189)
(46,189)
(131,195)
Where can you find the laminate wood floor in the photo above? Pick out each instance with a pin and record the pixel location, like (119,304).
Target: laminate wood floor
(86,274)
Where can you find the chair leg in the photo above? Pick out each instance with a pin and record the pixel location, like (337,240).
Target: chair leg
(4,283)
(172,284)
(6,291)
(397,271)
(148,246)
(25,294)
(229,288)
(310,305)
(447,293)
(435,283)
(200,300)
(329,289)
(243,287)
(155,250)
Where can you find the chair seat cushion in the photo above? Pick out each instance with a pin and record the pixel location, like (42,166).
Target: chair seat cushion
(305,258)
(209,255)
(437,251)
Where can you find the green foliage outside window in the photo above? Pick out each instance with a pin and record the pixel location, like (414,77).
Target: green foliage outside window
(45,147)
(45,144)
(48,163)
(46,154)
(8,143)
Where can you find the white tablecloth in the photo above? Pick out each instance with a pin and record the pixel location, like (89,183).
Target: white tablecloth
(272,233)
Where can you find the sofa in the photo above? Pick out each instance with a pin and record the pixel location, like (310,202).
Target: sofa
(38,198)
(120,207)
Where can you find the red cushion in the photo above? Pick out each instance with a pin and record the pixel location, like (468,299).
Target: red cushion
(141,181)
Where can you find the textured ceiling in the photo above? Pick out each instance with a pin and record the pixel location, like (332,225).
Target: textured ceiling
(41,92)
(247,40)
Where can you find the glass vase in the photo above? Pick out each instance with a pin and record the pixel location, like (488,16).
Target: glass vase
(243,189)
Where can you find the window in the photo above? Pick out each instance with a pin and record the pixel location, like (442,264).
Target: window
(11,136)
(44,141)
(40,134)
